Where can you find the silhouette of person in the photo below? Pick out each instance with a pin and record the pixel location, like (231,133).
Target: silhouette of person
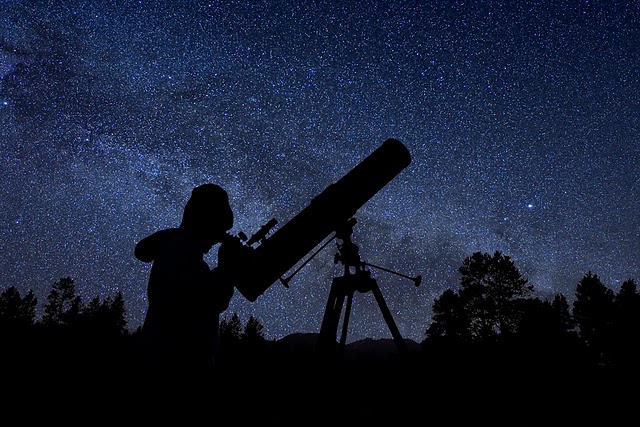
(179,336)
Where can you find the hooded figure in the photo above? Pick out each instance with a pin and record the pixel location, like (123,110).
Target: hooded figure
(186,297)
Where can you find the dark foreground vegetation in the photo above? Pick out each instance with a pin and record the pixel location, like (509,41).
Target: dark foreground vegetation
(492,352)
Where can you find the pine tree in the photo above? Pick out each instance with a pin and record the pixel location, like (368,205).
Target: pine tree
(230,330)
(117,312)
(594,312)
(448,320)
(253,330)
(491,290)
(16,311)
(626,335)
(63,306)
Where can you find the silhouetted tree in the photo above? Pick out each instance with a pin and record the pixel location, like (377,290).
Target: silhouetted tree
(469,327)
(546,319)
(71,337)
(546,337)
(94,306)
(491,287)
(230,331)
(487,303)
(17,311)
(100,337)
(230,335)
(253,330)
(105,317)
(448,337)
(117,312)
(594,313)
(17,335)
(562,312)
(254,345)
(113,314)
(449,319)
(626,329)
(63,305)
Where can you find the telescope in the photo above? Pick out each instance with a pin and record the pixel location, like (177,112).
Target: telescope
(328,211)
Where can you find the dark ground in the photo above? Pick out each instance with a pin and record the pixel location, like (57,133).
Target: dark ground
(306,390)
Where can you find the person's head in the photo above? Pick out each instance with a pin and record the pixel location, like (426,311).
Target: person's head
(207,215)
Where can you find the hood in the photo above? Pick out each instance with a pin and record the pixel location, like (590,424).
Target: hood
(148,248)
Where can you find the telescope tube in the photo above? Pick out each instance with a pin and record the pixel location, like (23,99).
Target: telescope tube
(329,210)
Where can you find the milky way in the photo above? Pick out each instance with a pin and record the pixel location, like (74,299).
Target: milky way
(522,120)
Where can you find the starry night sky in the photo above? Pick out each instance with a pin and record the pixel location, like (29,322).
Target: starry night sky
(522,119)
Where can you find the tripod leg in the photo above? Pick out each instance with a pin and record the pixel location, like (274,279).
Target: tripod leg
(345,326)
(329,328)
(402,346)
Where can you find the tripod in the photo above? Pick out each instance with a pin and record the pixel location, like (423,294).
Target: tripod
(355,278)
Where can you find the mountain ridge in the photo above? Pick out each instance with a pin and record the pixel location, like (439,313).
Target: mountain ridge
(366,348)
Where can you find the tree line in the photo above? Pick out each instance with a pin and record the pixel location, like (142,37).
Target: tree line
(493,319)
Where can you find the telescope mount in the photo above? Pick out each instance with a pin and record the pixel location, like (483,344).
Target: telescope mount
(355,278)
